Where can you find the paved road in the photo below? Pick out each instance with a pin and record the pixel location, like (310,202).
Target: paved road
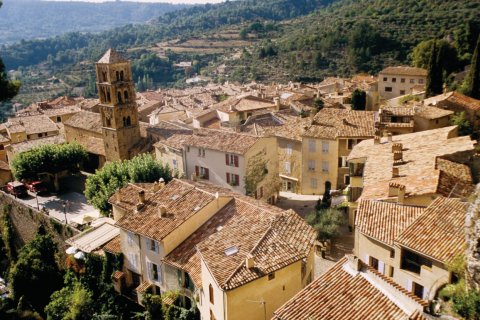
(75,205)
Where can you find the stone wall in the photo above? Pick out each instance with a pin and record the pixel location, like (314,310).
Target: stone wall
(472,224)
(26,221)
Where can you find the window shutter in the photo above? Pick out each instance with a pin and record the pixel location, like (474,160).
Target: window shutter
(409,285)
(207,172)
(367,259)
(197,169)
(237,180)
(381,267)
(236,160)
(226,159)
(228,177)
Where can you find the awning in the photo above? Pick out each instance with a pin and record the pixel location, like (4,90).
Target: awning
(287,177)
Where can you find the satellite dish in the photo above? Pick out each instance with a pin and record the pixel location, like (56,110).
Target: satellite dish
(71,250)
(79,255)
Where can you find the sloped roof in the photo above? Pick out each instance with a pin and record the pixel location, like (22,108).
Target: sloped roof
(404,71)
(94,238)
(439,232)
(384,221)
(86,120)
(331,123)
(344,293)
(221,140)
(430,112)
(454,98)
(112,56)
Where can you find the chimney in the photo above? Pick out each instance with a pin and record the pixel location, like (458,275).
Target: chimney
(156,186)
(161,183)
(389,137)
(194,177)
(397,147)
(249,262)
(276,100)
(376,140)
(162,211)
(395,172)
(141,196)
(401,195)
(354,263)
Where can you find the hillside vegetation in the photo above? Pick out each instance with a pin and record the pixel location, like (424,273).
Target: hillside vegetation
(272,40)
(32,19)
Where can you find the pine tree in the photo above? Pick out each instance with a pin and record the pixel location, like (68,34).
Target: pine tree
(434,76)
(472,82)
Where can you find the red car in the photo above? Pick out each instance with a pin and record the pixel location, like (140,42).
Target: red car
(36,187)
(17,189)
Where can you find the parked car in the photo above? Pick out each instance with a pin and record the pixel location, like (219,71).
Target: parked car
(17,189)
(36,187)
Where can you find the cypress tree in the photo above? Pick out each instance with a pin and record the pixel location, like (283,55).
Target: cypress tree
(434,76)
(472,87)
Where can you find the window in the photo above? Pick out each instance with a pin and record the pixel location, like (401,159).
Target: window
(175,165)
(417,290)
(59,119)
(125,95)
(391,272)
(2,147)
(286,167)
(342,162)
(412,81)
(201,152)
(153,245)
(231,160)
(119,97)
(271,276)
(109,98)
(392,253)
(289,148)
(325,146)
(130,239)
(385,79)
(394,79)
(233,179)
(313,183)
(132,258)
(346,179)
(311,145)
(129,122)
(373,263)
(351,143)
(153,271)
(421,81)
(311,165)
(402,80)
(118,75)
(210,293)
(402,92)
(413,262)
(121,75)
(202,172)
(388,89)
(325,166)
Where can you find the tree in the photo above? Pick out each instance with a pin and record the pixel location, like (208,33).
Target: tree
(318,103)
(472,81)
(8,89)
(36,275)
(72,302)
(359,99)
(51,158)
(434,76)
(448,55)
(115,175)
(464,127)
(327,223)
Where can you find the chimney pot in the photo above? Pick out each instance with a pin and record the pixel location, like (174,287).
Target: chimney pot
(141,196)
(249,262)
(395,172)
(354,263)
(162,211)
(389,137)
(376,140)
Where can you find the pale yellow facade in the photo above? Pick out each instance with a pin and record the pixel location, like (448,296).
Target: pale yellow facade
(290,164)
(172,157)
(258,299)
(389,261)
(325,161)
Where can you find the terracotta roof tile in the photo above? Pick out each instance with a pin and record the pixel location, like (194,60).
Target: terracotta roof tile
(111,56)
(429,112)
(343,293)
(404,71)
(439,231)
(331,123)
(113,246)
(86,120)
(31,124)
(220,140)
(384,221)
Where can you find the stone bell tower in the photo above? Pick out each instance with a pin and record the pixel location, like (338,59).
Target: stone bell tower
(118,107)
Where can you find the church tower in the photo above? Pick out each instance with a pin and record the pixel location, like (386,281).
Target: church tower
(118,107)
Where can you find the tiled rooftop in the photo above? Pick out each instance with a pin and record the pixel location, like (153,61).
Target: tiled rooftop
(221,140)
(454,98)
(30,144)
(419,171)
(31,124)
(345,293)
(439,231)
(384,221)
(86,120)
(429,112)
(404,71)
(331,123)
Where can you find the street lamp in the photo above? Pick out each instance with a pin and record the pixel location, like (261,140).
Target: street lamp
(64,205)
